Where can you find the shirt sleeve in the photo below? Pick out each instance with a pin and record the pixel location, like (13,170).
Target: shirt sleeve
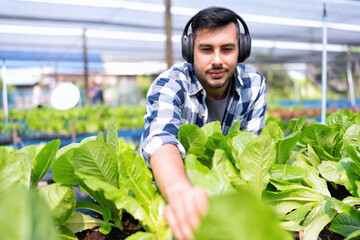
(255,120)
(162,118)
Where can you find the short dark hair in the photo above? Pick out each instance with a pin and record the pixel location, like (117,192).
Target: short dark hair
(214,17)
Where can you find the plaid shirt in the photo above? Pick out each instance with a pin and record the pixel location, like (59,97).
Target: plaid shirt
(176,97)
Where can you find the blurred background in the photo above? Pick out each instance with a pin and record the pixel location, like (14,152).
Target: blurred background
(112,50)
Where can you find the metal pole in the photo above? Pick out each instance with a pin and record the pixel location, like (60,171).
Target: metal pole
(297,91)
(324,69)
(86,72)
(350,79)
(4,92)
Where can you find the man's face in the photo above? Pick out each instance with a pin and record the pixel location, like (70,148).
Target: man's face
(215,58)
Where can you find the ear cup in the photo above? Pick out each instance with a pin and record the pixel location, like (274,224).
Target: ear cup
(187,45)
(244,47)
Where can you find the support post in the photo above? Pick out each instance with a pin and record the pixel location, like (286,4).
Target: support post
(73,130)
(350,80)
(4,92)
(357,78)
(168,29)
(86,74)
(324,69)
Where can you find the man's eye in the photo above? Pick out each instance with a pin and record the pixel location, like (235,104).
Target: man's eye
(227,50)
(205,50)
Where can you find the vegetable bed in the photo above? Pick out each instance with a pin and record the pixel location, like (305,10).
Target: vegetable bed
(299,185)
(46,123)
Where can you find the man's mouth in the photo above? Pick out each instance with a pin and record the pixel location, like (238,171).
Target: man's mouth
(217,73)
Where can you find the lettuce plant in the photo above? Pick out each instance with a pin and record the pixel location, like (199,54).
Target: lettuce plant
(24,168)
(23,205)
(292,172)
(117,181)
(25,216)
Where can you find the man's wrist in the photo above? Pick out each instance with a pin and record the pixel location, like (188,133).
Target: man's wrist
(177,189)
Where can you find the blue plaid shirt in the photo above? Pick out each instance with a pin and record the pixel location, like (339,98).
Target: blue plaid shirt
(176,97)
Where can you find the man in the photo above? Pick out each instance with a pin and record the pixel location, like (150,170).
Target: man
(211,86)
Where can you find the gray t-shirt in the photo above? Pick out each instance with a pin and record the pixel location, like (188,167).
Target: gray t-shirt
(216,108)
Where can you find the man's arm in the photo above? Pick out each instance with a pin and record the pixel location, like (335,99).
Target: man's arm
(185,204)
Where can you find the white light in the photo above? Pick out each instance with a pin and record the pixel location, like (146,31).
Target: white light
(152,37)
(65,96)
(184,11)
(125,35)
(35,30)
(281,21)
(187,11)
(340,26)
(140,6)
(297,46)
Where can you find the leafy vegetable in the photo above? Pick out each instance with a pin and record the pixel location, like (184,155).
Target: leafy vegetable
(237,216)
(116,181)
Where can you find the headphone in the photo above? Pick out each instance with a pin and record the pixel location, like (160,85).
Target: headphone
(187,41)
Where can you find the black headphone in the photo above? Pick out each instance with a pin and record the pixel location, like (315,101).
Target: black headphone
(187,42)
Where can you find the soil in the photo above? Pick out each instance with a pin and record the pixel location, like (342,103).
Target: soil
(130,226)
(325,234)
(116,234)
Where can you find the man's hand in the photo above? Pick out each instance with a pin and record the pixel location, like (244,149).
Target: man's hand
(184,211)
(186,204)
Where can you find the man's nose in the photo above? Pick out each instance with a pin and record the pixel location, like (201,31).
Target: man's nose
(217,59)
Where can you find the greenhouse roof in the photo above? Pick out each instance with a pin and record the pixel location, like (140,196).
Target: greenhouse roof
(282,31)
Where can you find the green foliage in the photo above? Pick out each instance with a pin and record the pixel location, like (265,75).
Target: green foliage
(116,180)
(25,216)
(24,168)
(61,200)
(290,172)
(28,213)
(282,177)
(87,120)
(237,216)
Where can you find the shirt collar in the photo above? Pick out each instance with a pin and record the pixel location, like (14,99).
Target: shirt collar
(195,85)
(239,84)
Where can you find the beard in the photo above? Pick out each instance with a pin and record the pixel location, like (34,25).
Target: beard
(205,78)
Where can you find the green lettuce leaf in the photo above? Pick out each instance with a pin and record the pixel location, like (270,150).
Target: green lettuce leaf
(79,222)
(320,135)
(112,136)
(24,215)
(135,178)
(194,169)
(285,146)
(211,128)
(312,177)
(61,201)
(286,173)
(43,160)
(255,163)
(244,223)
(192,138)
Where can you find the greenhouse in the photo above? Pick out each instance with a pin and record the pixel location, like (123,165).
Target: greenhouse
(118,122)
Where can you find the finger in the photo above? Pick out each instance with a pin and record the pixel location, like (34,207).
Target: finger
(177,222)
(200,204)
(201,201)
(184,211)
(192,213)
(172,222)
